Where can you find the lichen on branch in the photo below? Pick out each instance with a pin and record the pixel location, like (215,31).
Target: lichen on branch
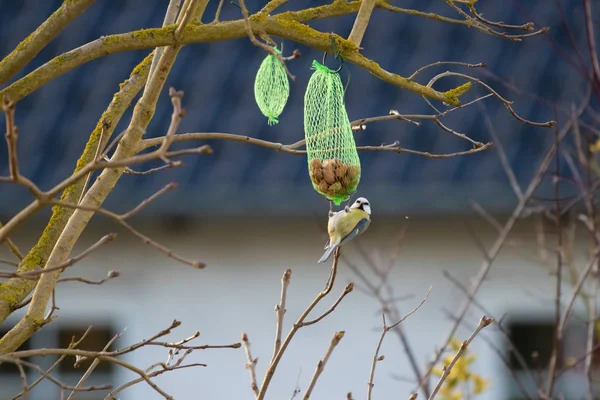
(287,25)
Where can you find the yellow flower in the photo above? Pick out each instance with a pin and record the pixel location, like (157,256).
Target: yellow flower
(595,147)
(479,384)
(460,372)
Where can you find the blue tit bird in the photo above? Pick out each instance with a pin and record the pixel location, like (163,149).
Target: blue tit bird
(346,224)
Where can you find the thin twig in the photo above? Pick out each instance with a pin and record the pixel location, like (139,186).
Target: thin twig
(388,302)
(272,6)
(529,26)
(349,287)
(483,25)
(121,219)
(499,243)
(170,164)
(280,311)
(475,143)
(184,17)
(110,275)
(12,135)
(49,377)
(218,12)
(292,148)
(93,366)
(558,334)
(111,357)
(376,358)
(72,345)
(483,322)
(591,39)
(385,330)
(11,138)
(361,22)
(506,335)
(335,340)
(13,247)
(577,288)
(502,154)
(591,330)
(435,64)
(176,117)
(250,365)
(507,103)
(71,261)
(258,43)
(165,368)
(299,324)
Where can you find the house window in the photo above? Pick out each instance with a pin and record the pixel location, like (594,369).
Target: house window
(534,341)
(95,340)
(60,336)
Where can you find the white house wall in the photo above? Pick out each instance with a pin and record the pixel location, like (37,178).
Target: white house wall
(239,288)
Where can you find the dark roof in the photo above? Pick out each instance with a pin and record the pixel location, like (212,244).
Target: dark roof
(218,82)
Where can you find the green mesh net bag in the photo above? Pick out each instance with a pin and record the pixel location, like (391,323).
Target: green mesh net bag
(271,88)
(333,163)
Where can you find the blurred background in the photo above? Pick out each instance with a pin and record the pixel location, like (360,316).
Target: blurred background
(250,212)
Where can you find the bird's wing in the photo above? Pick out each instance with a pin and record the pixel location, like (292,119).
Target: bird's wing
(358,229)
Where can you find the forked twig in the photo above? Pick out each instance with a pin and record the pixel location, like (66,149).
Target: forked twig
(385,330)
(296,326)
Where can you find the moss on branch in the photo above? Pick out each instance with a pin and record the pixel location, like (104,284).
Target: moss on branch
(287,25)
(38,39)
(15,290)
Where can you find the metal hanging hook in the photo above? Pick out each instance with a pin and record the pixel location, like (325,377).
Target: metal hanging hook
(336,55)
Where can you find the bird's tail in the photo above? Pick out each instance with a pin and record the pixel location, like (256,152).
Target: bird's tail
(327,253)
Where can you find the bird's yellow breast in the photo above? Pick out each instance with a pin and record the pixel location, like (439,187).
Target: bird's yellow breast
(340,225)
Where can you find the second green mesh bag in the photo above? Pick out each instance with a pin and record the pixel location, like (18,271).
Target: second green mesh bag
(271,88)
(333,163)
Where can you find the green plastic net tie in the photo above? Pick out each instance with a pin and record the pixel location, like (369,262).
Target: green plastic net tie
(272,119)
(317,66)
(271,87)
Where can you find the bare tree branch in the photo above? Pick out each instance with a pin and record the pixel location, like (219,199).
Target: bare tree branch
(280,311)
(38,39)
(297,325)
(335,340)
(93,366)
(13,248)
(16,290)
(499,243)
(142,114)
(250,365)
(361,22)
(385,330)
(71,261)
